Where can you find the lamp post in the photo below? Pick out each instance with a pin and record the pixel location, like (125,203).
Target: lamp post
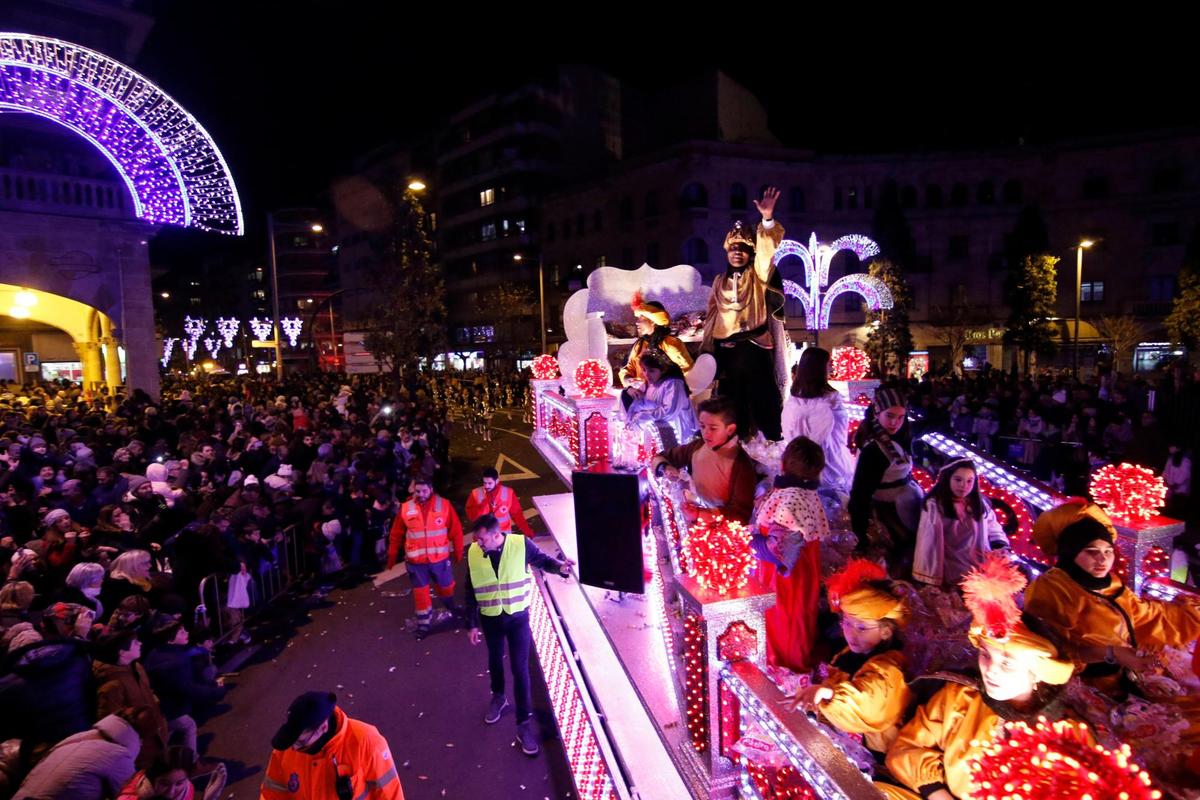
(1086,243)
(315,227)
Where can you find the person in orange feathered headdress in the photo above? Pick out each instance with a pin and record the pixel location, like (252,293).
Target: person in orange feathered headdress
(866,691)
(654,333)
(1020,669)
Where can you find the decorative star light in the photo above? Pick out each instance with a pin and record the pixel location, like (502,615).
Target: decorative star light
(173,170)
(227,329)
(168,348)
(194,326)
(291,328)
(816,256)
(213,346)
(261,328)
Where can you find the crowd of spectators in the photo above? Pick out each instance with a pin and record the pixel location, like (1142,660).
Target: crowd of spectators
(1059,427)
(112,514)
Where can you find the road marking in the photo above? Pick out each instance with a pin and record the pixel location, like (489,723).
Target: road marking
(525,473)
(514,433)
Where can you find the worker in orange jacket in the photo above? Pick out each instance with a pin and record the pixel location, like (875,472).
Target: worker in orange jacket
(321,754)
(499,501)
(429,531)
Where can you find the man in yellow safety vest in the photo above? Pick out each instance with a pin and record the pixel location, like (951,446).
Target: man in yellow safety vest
(499,588)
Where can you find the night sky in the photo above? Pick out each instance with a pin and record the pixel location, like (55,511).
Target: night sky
(293,96)
(292,92)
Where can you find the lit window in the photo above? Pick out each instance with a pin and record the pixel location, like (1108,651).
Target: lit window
(488,232)
(487,197)
(1091,292)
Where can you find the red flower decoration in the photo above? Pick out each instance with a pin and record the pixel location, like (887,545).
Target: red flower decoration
(1056,760)
(849,364)
(544,367)
(593,377)
(718,552)
(1128,492)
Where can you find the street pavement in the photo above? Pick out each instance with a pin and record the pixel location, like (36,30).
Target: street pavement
(426,697)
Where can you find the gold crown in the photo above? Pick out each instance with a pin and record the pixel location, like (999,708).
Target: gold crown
(739,234)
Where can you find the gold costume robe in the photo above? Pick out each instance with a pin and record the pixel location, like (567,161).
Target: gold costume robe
(1083,619)
(935,747)
(872,702)
(674,349)
(738,306)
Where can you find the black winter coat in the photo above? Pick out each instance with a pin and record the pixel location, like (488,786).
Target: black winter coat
(174,677)
(47,691)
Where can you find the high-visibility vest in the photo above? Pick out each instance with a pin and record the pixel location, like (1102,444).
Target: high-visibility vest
(501,508)
(506,591)
(357,748)
(427,539)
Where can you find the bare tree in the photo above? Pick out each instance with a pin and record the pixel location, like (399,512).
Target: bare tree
(1123,333)
(951,325)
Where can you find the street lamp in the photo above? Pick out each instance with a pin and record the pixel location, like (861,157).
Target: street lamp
(1079,248)
(416,185)
(315,227)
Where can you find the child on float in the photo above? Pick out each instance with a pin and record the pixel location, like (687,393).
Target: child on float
(883,485)
(866,691)
(957,528)
(788,529)
(662,401)
(1021,675)
(1102,622)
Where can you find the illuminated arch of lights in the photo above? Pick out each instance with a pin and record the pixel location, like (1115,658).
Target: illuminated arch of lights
(173,170)
(816,298)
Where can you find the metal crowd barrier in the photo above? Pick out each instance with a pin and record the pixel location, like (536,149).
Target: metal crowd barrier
(265,586)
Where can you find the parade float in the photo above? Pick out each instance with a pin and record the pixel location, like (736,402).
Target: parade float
(666,692)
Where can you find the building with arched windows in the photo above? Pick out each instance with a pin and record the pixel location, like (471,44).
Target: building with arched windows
(1137,195)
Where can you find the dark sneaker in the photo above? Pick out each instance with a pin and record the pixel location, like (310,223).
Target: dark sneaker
(527,737)
(495,709)
(421,632)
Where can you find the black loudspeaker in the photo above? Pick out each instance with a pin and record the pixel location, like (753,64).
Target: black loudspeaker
(610,514)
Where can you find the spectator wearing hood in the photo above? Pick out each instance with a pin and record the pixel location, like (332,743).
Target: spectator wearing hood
(158,474)
(92,765)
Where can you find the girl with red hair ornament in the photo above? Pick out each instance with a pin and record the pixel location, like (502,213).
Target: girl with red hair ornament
(866,691)
(1021,672)
(1103,623)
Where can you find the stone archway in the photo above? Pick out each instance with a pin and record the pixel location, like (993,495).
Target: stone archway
(91,330)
